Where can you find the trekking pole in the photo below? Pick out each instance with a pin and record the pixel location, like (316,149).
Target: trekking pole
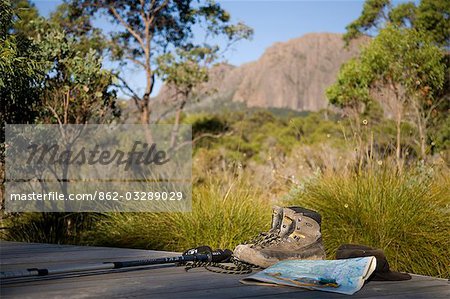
(199,254)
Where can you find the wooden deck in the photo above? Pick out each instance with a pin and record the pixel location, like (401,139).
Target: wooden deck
(163,281)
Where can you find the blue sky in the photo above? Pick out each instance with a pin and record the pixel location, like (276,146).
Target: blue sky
(273,21)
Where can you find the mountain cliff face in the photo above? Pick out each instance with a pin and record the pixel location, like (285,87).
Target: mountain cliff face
(292,74)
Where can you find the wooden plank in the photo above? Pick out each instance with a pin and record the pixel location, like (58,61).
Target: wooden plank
(185,286)
(77,257)
(167,282)
(14,256)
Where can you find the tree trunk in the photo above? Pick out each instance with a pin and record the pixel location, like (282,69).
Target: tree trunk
(176,125)
(399,111)
(144,113)
(421,123)
(145,121)
(358,131)
(398,149)
(145,106)
(422,136)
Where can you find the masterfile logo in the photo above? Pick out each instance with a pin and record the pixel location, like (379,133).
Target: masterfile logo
(98,168)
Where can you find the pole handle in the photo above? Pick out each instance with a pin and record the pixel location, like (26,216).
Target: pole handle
(221,256)
(217,256)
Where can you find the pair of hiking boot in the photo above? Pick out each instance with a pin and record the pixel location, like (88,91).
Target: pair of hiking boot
(295,234)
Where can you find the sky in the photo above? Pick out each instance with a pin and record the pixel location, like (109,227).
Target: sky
(273,21)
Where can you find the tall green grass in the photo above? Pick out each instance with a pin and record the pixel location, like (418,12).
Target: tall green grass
(407,215)
(56,228)
(223,215)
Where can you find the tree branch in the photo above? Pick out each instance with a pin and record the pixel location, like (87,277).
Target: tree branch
(439,102)
(127,27)
(55,114)
(142,11)
(134,95)
(134,60)
(162,115)
(159,8)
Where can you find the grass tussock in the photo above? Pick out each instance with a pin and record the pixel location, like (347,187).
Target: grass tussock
(407,215)
(56,228)
(223,215)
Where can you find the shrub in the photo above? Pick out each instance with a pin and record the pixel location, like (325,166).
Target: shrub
(223,215)
(59,228)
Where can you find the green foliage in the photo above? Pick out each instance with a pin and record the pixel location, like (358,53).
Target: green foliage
(77,25)
(257,135)
(315,129)
(20,70)
(373,12)
(47,75)
(185,70)
(440,135)
(405,57)
(402,61)
(405,215)
(207,124)
(6,17)
(430,16)
(433,17)
(173,22)
(56,228)
(403,15)
(406,62)
(77,88)
(351,89)
(25,16)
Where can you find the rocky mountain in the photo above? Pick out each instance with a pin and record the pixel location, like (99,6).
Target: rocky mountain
(292,74)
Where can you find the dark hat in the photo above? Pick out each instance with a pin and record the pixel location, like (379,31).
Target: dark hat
(382,271)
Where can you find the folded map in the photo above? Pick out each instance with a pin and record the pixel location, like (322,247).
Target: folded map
(346,276)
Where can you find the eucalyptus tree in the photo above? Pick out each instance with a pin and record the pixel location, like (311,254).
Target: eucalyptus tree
(147,29)
(431,16)
(407,68)
(411,45)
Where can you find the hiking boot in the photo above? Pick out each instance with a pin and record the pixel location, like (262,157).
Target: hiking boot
(298,237)
(272,234)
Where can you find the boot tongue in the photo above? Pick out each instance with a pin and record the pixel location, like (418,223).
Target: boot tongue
(277,217)
(288,222)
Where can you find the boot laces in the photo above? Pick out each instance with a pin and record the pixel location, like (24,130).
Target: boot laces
(265,238)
